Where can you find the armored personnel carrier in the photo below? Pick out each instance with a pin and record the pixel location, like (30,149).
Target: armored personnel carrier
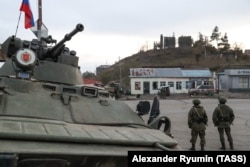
(48,117)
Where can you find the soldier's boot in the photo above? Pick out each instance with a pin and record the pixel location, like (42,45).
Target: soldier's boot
(192,148)
(223,146)
(231,145)
(202,147)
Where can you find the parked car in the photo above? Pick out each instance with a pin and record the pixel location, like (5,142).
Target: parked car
(202,90)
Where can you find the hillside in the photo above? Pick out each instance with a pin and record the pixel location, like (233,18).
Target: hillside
(175,57)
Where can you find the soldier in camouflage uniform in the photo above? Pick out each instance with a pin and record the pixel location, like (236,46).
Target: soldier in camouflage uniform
(197,120)
(223,117)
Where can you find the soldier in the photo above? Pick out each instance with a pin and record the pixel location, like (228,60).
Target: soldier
(197,120)
(223,117)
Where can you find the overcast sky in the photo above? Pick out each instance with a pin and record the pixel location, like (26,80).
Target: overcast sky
(117,29)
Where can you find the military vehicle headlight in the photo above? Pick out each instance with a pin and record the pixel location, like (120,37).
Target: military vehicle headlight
(25,59)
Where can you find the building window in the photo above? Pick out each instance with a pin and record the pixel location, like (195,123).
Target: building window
(155,85)
(178,85)
(137,85)
(171,84)
(199,83)
(243,82)
(162,84)
(188,85)
(208,83)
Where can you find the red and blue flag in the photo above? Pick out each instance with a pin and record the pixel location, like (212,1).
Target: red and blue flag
(28,20)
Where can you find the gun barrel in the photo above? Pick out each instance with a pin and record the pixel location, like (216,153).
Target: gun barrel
(67,37)
(79,27)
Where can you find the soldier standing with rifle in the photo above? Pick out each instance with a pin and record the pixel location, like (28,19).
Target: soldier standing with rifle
(223,117)
(197,120)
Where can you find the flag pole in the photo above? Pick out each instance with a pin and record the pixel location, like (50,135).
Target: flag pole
(18,22)
(40,22)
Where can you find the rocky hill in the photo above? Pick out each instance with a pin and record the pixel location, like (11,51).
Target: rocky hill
(175,57)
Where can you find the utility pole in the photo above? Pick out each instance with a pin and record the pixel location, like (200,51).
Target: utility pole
(120,75)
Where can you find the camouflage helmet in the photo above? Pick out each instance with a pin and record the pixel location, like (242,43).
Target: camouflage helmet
(196,101)
(222,99)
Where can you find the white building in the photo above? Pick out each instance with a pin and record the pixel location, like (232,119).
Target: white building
(150,80)
(234,80)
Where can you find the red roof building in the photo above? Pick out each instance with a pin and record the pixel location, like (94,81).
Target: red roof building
(89,81)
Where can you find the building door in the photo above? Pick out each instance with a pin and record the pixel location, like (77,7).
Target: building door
(145,87)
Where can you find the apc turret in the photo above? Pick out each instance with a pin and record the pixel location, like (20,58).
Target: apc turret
(31,59)
(48,117)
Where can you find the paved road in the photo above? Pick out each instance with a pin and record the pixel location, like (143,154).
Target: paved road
(177,111)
